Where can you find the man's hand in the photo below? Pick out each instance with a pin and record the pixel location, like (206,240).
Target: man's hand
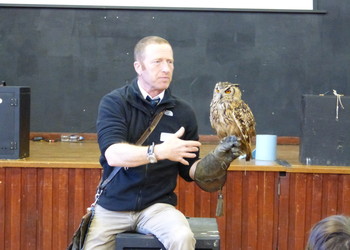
(176,149)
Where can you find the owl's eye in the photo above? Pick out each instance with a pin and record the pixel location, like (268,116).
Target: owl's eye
(227,91)
(216,90)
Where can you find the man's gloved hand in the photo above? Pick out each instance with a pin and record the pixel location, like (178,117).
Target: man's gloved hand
(210,173)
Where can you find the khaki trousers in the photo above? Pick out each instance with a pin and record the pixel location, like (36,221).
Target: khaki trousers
(164,221)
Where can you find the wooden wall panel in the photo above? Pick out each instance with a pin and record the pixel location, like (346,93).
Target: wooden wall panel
(29,215)
(296,209)
(45,208)
(41,207)
(234,210)
(13,211)
(187,200)
(305,199)
(344,194)
(2,208)
(330,194)
(250,208)
(313,201)
(267,207)
(250,201)
(76,208)
(283,212)
(203,203)
(60,208)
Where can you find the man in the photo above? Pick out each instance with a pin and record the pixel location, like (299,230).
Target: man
(141,196)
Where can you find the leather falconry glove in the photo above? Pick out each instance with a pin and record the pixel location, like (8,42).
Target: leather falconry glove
(211,171)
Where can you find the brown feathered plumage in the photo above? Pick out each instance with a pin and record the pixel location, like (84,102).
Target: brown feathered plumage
(230,115)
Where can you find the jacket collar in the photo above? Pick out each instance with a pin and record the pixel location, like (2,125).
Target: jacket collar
(136,99)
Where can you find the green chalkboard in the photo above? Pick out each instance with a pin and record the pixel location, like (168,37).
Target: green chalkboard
(72,57)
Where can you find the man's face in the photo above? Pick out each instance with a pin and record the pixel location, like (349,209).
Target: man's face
(156,69)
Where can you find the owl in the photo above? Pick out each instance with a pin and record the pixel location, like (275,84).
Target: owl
(230,115)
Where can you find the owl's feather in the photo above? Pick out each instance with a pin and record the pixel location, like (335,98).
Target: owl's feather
(230,115)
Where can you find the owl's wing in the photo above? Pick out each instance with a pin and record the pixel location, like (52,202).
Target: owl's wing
(245,121)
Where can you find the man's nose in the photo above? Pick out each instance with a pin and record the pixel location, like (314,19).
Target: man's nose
(165,66)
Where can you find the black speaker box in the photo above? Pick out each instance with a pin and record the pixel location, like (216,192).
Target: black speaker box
(14,122)
(325,136)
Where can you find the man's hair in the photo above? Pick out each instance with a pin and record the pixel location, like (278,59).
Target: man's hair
(144,42)
(331,233)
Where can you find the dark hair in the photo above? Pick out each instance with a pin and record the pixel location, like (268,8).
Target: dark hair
(144,42)
(331,233)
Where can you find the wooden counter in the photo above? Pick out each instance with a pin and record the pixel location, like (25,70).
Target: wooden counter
(86,155)
(266,205)
(59,155)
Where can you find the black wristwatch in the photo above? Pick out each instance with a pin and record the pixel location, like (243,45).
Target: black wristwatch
(151,157)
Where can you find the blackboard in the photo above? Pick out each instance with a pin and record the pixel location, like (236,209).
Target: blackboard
(72,57)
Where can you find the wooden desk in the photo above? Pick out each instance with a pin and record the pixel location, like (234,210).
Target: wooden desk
(86,155)
(59,155)
(267,206)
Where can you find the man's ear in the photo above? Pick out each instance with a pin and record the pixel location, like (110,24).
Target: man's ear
(138,67)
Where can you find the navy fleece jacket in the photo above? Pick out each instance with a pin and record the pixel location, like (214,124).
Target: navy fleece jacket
(123,116)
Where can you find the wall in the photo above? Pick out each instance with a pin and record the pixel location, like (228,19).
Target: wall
(72,57)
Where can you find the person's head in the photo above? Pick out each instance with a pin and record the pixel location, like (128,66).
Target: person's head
(154,64)
(331,233)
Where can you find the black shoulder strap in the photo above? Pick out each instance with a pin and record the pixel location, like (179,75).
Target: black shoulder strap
(140,141)
(151,127)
